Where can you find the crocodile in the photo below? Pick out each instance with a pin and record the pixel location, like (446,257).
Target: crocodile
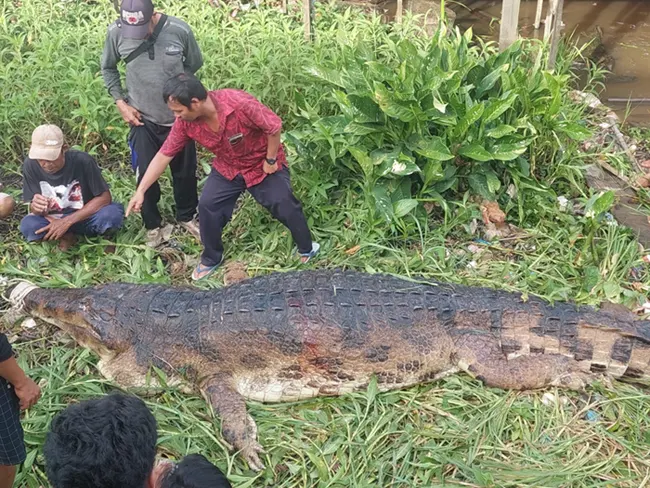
(295,335)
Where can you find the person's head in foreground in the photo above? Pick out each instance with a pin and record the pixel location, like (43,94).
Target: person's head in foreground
(110,442)
(106,442)
(194,471)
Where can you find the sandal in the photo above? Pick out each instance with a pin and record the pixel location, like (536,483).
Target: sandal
(202,269)
(305,257)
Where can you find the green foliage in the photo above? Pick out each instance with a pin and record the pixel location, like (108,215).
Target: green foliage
(423,119)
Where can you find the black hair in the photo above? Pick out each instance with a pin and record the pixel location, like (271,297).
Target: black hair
(107,442)
(183,88)
(195,471)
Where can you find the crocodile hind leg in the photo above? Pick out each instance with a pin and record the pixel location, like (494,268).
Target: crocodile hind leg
(238,428)
(482,358)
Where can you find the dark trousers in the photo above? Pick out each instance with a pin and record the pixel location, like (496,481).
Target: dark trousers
(145,141)
(274,193)
(107,220)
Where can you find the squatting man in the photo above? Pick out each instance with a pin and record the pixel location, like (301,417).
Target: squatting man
(244,136)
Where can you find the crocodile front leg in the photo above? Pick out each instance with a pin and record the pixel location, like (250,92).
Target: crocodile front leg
(238,428)
(481,357)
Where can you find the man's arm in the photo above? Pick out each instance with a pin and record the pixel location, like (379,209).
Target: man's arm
(262,117)
(38,204)
(90,208)
(175,142)
(193,57)
(156,168)
(27,391)
(109,61)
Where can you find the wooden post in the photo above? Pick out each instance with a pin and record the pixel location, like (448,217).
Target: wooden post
(306,17)
(556,33)
(509,23)
(552,8)
(285,7)
(398,12)
(538,15)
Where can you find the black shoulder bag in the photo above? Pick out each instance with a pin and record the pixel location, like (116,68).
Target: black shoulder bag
(148,44)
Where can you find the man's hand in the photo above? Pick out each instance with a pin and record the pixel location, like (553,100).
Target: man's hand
(56,229)
(39,205)
(136,203)
(128,113)
(27,392)
(270,168)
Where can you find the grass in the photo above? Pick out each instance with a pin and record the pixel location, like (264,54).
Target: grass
(452,433)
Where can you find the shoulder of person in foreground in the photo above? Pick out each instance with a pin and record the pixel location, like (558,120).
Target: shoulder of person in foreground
(6,351)
(194,471)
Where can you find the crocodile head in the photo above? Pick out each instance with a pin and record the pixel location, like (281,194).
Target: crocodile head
(71,310)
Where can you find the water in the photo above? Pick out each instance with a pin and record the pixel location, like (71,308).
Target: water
(625,35)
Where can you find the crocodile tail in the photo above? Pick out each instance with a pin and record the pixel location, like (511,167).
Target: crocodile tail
(644,331)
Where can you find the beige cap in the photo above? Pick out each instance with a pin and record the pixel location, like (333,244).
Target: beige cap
(47,141)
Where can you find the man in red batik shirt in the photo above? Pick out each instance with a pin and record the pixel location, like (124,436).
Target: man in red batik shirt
(244,136)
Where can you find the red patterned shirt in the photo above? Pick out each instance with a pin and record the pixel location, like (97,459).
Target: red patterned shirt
(240,143)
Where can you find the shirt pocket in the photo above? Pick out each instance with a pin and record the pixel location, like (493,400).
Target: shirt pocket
(173,60)
(237,141)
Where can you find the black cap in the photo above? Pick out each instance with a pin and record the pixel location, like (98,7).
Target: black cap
(135,16)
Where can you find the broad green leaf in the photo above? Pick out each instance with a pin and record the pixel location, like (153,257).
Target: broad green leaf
(475,151)
(432,172)
(335,124)
(478,183)
(612,290)
(575,131)
(330,76)
(379,156)
(380,72)
(507,152)
(400,189)
(495,109)
(599,204)
(441,107)
(383,203)
(500,131)
(363,129)
(363,159)
(403,168)
(403,207)
(490,80)
(390,106)
(553,85)
(433,148)
(493,181)
(366,106)
(444,185)
(591,277)
(472,115)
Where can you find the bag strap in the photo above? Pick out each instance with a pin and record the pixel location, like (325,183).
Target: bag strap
(148,44)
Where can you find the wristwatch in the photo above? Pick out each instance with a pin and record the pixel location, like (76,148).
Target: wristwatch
(271,161)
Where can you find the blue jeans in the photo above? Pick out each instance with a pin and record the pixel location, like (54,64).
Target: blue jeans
(107,220)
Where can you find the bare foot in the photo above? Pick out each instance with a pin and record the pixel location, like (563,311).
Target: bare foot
(67,241)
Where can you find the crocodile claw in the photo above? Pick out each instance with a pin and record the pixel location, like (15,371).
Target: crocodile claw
(250,452)
(252,448)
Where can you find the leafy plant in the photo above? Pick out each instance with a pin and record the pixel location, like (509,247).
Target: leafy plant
(421,117)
